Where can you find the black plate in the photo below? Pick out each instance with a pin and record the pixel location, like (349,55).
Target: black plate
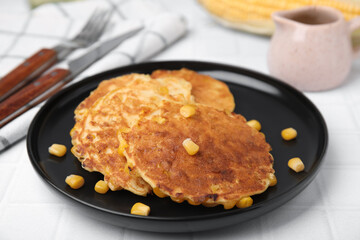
(275,104)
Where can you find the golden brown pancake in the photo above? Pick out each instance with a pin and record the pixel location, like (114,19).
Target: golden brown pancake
(205,89)
(233,161)
(104,87)
(95,134)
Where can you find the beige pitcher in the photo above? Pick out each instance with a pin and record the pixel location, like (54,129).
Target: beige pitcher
(311,48)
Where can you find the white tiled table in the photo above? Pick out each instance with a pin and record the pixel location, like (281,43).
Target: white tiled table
(329,208)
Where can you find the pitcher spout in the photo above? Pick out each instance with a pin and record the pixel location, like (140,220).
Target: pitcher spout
(308,16)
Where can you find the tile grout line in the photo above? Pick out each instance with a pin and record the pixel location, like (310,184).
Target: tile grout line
(116,9)
(18,36)
(12,56)
(265,227)
(326,210)
(7,193)
(59,224)
(61,9)
(30,34)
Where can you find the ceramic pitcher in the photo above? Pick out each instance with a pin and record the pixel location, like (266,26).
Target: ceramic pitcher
(311,48)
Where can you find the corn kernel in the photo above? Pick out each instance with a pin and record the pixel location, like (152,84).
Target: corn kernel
(75,181)
(215,188)
(288,134)
(296,164)
(163,90)
(158,119)
(229,205)
(178,200)
(244,202)
(140,209)
(101,187)
(254,124)
(58,150)
(187,111)
(228,112)
(272,179)
(159,193)
(125,130)
(122,146)
(206,204)
(190,147)
(191,202)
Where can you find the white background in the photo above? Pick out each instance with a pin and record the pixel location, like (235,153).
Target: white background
(329,208)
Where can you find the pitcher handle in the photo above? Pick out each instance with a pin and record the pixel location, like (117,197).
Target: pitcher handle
(354,24)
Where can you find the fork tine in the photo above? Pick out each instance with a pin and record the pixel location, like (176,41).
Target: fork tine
(98,21)
(101,26)
(92,20)
(89,22)
(85,35)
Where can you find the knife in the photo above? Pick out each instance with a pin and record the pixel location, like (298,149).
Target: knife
(42,60)
(50,83)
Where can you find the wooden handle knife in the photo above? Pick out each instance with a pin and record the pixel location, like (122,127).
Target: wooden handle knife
(31,91)
(32,67)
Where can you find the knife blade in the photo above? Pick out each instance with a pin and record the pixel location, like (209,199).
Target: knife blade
(51,82)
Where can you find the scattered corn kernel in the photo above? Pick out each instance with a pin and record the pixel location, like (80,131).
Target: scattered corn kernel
(296,164)
(122,146)
(254,124)
(140,209)
(101,187)
(159,193)
(58,150)
(75,181)
(273,180)
(187,111)
(244,202)
(190,147)
(288,134)
(229,205)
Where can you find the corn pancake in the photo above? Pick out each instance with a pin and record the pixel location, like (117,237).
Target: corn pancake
(205,89)
(233,161)
(104,87)
(95,134)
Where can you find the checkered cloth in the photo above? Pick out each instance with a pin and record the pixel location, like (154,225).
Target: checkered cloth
(49,24)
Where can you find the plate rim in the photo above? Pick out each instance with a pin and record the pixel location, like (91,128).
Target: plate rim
(219,66)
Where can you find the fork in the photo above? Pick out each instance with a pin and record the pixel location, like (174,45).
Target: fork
(42,60)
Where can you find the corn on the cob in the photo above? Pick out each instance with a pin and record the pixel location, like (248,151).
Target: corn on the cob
(255,15)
